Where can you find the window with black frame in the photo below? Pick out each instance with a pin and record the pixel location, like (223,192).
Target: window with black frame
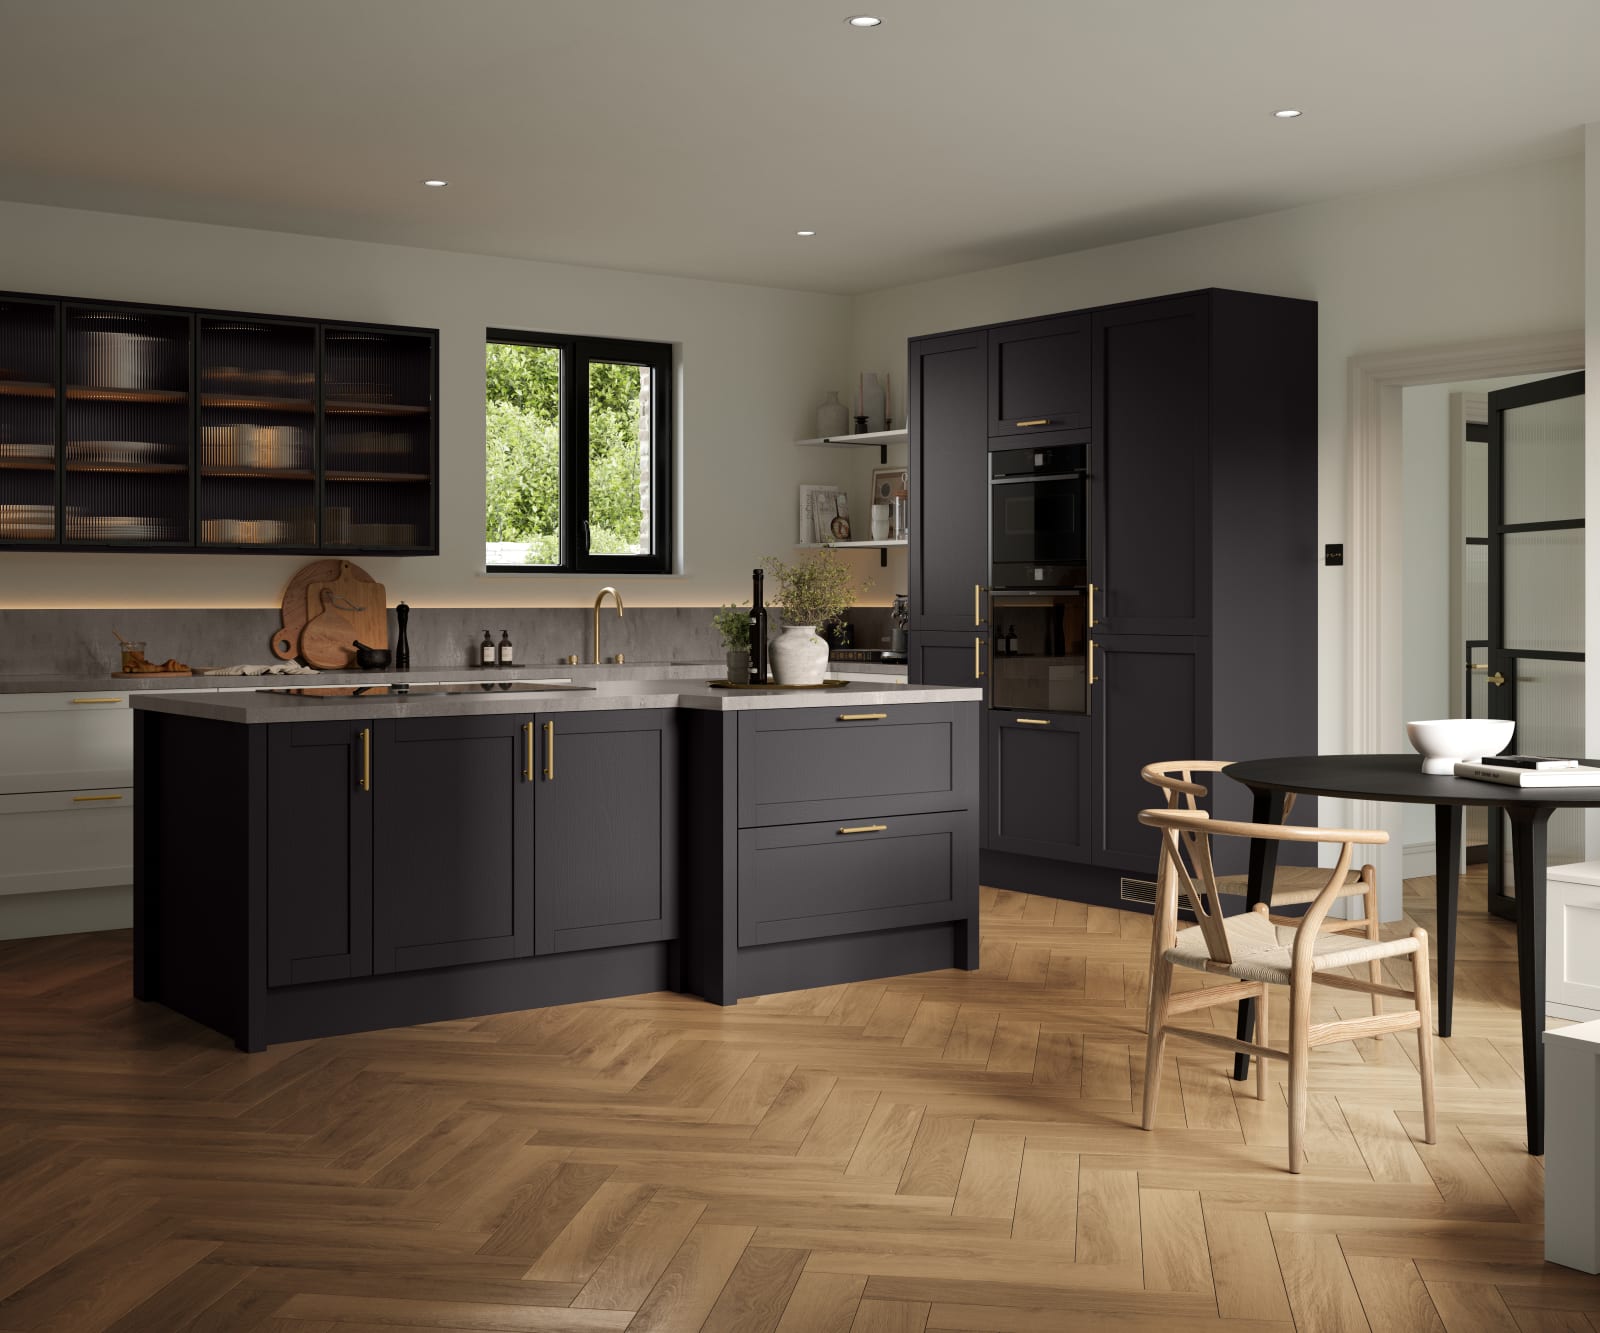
(578,453)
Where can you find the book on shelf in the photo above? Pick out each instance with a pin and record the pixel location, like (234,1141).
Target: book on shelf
(1508,775)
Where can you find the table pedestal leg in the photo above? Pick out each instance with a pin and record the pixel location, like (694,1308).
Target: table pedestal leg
(1528,841)
(1447,887)
(1267,809)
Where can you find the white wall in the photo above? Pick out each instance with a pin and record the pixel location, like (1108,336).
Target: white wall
(754,363)
(1472,257)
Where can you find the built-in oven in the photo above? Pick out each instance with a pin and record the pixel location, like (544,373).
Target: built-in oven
(1038,517)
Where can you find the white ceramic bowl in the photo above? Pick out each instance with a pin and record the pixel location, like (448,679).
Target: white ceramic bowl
(1445,742)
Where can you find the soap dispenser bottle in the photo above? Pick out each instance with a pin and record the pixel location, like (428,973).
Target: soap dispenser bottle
(507,653)
(486,651)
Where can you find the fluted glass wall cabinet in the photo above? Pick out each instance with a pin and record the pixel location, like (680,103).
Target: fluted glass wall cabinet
(136,427)
(1116,536)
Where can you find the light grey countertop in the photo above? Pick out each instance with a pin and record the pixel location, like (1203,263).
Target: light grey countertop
(266,706)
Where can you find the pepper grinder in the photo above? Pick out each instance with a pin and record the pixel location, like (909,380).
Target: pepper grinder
(402,649)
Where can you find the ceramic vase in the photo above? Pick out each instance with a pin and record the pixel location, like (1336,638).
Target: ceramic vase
(833,418)
(738,665)
(871,404)
(880,522)
(799,656)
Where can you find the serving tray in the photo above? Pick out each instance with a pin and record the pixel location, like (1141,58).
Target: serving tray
(745,685)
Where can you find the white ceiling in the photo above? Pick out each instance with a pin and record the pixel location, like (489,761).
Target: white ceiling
(695,136)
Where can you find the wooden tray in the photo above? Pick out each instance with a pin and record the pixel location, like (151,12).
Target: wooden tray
(745,685)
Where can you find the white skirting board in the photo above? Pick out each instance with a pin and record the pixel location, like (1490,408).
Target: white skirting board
(25,916)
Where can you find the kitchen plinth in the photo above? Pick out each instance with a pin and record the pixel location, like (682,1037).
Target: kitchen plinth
(311,864)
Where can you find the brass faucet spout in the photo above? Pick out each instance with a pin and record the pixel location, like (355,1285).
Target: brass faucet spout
(599,598)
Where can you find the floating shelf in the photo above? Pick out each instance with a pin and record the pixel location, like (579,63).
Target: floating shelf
(871,439)
(882,548)
(254,474)
(26,389)
(94,394)
(241,402)
(348,407)
(375,476)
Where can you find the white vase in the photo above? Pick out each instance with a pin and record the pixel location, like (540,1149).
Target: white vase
(799,656)
(871,405)
(880,522)
(833,417)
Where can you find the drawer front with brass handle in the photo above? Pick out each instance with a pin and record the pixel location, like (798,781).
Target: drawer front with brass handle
(65,742)
(65,840)
(806,881)
(803,765)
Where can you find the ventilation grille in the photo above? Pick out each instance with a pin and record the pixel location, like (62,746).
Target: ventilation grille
(1144,891)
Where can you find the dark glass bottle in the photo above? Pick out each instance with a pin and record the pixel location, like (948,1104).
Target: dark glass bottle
(507,653)
(758,630)
(486,650)
(402,647)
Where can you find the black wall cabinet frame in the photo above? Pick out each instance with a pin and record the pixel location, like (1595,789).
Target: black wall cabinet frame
(133,427)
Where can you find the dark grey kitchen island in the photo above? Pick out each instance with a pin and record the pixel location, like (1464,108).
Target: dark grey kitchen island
(311,862)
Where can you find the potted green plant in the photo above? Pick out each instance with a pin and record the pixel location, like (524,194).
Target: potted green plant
(733,624)
(814,593)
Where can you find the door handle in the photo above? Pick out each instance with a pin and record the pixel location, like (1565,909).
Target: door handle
(862,717)
(977,657)
(97,701)
(1477,666)
(1497,679)
(1090,661)
(866,828)
(977,605)
(527,752)
(1037,421)
(1033,722)
(97,798)
(550,751)
(366,758)
(1091,606)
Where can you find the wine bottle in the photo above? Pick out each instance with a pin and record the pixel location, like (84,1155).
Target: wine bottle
(758,630)
(507,653)
(486,650)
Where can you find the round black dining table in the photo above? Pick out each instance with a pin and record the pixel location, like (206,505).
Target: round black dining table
(1399,777)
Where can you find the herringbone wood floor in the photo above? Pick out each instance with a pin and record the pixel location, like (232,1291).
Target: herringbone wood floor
(948,1151)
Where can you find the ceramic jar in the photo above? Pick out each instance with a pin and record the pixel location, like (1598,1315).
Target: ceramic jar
(833,418)
(799,656)
(738,665)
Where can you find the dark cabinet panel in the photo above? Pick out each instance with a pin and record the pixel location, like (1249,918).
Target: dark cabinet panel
(1149,705)
(872,872)
(949,482)
(1039,767)
(1039,376)
(453,845)
(809,764)
(319,853)
(948,657)
(606,829)
(1150,466)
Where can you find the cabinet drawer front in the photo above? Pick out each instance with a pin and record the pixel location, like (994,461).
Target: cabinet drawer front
(66,840)
(65,742)
(799,766)
(805,881)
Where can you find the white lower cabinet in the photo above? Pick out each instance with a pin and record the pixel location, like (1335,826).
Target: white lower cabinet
(58,840)
(1572,941)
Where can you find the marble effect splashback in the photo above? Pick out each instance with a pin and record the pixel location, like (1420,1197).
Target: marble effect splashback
(35,642)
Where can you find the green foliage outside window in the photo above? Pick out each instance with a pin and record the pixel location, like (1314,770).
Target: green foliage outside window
(523,453)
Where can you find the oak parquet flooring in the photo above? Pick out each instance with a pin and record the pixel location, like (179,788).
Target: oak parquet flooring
(947,1151)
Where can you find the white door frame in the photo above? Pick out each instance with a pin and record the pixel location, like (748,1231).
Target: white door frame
(1374,547)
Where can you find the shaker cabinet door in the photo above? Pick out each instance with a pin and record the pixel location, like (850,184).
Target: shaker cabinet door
(453,842)
(1039,376)
(1038,785)
(319,853)
(606,840)
(949,483)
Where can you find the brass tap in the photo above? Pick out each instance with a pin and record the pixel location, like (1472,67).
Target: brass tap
(600,597)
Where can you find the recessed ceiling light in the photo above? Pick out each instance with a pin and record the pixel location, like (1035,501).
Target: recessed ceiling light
(1288,113)
(437,185)
(805,233)
(863,21)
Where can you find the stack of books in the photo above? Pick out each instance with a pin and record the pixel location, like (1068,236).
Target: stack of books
(1530,770)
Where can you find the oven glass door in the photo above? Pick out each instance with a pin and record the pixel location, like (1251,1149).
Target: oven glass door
(1038,533)
(1039,652)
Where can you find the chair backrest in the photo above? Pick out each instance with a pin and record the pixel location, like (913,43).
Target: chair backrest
(1176,778)
(1186,867)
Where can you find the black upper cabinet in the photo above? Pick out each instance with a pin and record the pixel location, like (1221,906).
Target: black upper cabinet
(949,482)
(1149,492)
(319,852)
(214,431)
(1039,376)
(453,841)
(606,840)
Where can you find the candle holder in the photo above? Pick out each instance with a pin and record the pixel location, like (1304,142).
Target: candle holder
(861,425)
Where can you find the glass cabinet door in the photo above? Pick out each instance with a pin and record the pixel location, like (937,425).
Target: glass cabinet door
(1038,652)
(27,421)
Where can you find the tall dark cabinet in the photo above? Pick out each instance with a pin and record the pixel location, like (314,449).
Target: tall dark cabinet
(1190,629)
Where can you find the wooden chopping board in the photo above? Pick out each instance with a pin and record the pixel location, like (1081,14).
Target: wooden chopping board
(354,595)
(328,642)
(298,609)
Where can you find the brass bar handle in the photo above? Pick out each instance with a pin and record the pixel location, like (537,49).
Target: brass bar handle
(1033,722)
(97,701)
(977,605)
(1497,679)
(1038,421)
(1090,660)
(977,657)
(550,751)
(1092,621)
(366,758)
(862,717)
(117,797)
(527,752)
(866,828)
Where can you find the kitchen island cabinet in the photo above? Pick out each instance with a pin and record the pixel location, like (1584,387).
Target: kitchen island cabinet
(313,865)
